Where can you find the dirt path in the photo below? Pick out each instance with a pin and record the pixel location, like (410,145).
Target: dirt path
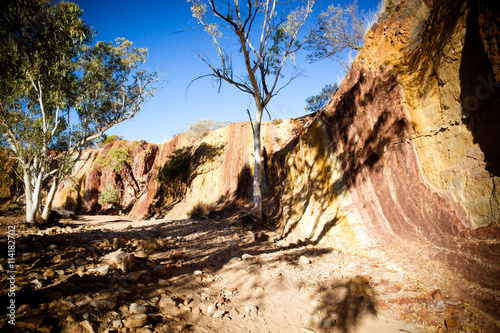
(208,276)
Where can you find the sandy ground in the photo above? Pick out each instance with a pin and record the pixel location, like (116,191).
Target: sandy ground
(217,276)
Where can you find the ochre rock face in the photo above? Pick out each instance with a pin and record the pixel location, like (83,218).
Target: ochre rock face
(406,154)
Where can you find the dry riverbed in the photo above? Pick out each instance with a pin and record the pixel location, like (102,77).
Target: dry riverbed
(216,276)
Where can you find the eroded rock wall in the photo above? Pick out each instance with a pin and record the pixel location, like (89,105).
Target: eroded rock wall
(407,152)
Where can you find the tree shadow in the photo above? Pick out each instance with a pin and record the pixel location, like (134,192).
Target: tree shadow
(349,141)
(78,247)
(344,304)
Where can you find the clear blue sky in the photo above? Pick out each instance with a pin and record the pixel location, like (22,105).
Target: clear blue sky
(155,25)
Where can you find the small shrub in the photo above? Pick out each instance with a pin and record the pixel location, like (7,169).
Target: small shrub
(203,127)
(111,195)
(277,121)
(201,210)
(114,159)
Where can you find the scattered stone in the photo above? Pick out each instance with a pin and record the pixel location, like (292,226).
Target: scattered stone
(247,256)
(163,282)
(103,269)
(148,246)
(262,237)
(218,313)
(160,270)
(435,306)
(211,309)
(137,308)
(198,273)
(136,320)
(234,259)
(393,289)
(71,318)
(167,302)
(37,283)
(90,327)
(57,259)
(116,323)
(118,243)
(120,259)
(134,276)
(176,254)
(141,254)
(29,323)
(436,294)
(49,273)
(259,290)
(23,308)
(303,260)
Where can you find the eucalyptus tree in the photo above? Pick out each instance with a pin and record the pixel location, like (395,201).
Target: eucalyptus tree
(59,92)
(265,35)
(339,31)
(318,102)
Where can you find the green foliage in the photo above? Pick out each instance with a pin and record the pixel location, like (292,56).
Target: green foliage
(58,92)
(339,31)
(111,195)
(175,173)
(107,139)
(201,128)
(318,102)
(114,160)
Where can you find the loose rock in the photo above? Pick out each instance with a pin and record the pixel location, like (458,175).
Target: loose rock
(137,320)
(137,308)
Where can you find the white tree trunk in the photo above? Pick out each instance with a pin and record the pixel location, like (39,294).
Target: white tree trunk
(50,198)
(33,192)
(257,175)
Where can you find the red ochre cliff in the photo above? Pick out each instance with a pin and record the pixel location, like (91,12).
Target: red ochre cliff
(406,155)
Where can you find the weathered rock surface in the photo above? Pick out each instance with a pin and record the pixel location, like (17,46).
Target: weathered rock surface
(406,154)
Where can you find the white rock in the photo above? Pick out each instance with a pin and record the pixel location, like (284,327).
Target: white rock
(136,320)
(167,302)
(304,260)
(198,272)
(137,308)
(211,309)
(104,269)
(218,313)
(247,256)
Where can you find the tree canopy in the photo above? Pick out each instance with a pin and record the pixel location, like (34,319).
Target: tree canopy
(318,102)
(58,91)
(339,31)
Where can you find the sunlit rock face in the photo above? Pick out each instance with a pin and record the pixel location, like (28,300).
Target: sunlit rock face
(408,150)
(407,153)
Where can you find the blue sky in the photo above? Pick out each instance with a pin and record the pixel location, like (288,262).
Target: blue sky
(164,28)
